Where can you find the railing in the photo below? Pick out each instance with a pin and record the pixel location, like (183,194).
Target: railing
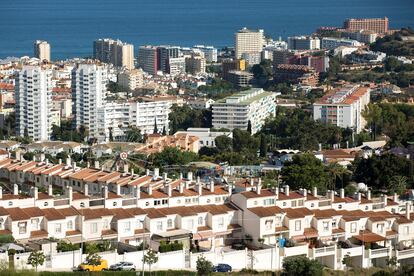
(128,202)
(380,251)
(61,202)
(326,249)
(406,252)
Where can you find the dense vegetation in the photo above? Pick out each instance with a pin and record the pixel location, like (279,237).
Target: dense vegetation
(183,117)
(395,45)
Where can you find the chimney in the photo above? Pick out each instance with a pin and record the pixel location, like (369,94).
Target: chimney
(118,189)
(384,199)
(276,192)
(230,188)
(96,164)
(15,189)
(35,192)
(132,172)
(42,157)
(137,195)
(212,186)
(358,196)
(320,146)
(68,161)
(259,186)
(190,176)
(47,162)
(88,164)
(305,193)
(105,192)
(369,194)
(315,191)
(287,190)
(156,172)
(34,158)
(126,167)
(407,210)
(74,166)
(395,197)
(165,176)
(149,189)
(70,194)
(1,192)
(169,190)
(181,187)
(60,161)
(19,155)
(86,189)
(50,190)
(200,188)
(251,181)
(147,172)
(342,193)
(332,195)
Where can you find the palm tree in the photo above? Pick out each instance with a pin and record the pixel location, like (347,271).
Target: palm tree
(336,171)
(373,114)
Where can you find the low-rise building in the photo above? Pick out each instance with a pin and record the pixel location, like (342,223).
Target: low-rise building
(207,137)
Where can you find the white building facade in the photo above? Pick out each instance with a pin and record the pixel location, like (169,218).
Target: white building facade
(33,93)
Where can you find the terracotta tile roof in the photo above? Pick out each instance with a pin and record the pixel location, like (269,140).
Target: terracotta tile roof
(79,196)
(11,197)
(33,212)
(292,195)
(368,236)
(338,230)
(137,211)
(328,213)
(203,228)
(281,229)
(53,214)
(17,214)
(44,196)
(83,173)
(3,211)
(403,220)
(120,213)
(310,232)
(297,213)
(5,232)
(338,199)
(53,169)
(90,214)
(391,234)
(109,232)
(112,195)
(68,212)
(253,194)
(39,234)
(73,233)
(266,211)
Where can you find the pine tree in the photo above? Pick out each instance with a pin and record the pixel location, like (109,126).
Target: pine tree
(249,127)
(155,126)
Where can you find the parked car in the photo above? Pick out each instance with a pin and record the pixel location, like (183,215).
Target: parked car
(103,265)
(222,268)
(123,266)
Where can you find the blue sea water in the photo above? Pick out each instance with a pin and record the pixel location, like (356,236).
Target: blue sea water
(70,26)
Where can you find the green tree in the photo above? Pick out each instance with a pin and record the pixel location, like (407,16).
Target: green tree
(372,114)
(397,184)
(150,258)
(172,156)
(392,262)
(301,265)
(63,246)
(249,127)
(91,248)
(336,173)
(93,259)
(133,134)
(305,171)
(224,143)
(155,126)
(204,266)
(111,136)
(347,261)
(36,258)
(263,145)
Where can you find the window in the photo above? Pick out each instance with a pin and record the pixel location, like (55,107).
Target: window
(190,224)
(127,226)
(294,203)
(114,203)
(380,227)
(22,227)
(94,227)
(200,220)
(159,225)
(35,223)
(353,227)
(169,223)
(58,228)
(325,226)
(138,224)
(284,203)
(46,203)
(298,225)
(334,224)
(268,224)
(70,225)
(220,222)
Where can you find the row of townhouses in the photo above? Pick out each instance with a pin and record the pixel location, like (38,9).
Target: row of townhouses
(87,204)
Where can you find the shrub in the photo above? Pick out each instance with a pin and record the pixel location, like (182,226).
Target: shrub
(204,266)
(6,239)
(290,243)
(63,246)
(301,265)
(168,247)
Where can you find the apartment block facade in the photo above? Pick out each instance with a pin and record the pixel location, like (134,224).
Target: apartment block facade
(378,25)
(236,111)
(33,94)
(343,107)
(41,50)
(248,42)
(116,52)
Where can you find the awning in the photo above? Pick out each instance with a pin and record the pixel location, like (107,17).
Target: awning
(366,236)
(203,235)
(173,234)
(310,233)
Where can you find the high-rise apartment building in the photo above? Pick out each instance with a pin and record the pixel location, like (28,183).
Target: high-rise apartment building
(131,79)
(210,53)
(165,53)
(148,59)
(248,42)
(343,107)
(236,111)
(378,25)
(304,43)
(176,66)
(229,65)
(195,64)
(41,50)
(33,94)
(116,52)
(331,43)
(89,82)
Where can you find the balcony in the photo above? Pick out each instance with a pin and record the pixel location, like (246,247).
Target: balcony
(352,252)
(299,249)
(377,253)
(322,251)
(404,254)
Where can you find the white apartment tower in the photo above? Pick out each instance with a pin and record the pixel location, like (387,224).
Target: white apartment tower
(33,93)
(89,82)
(115,52)
(249,42)
(253,105)
(41,50)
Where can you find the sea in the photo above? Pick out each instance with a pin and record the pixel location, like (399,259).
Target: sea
(71,26)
